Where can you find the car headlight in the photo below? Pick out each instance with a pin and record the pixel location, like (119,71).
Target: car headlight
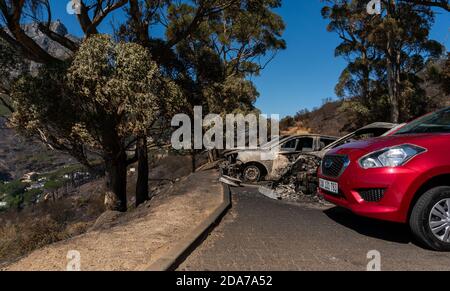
(390,157)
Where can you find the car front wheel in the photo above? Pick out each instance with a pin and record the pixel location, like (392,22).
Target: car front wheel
(252,173)
(430,219)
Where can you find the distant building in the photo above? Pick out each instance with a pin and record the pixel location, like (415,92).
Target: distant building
(29,177)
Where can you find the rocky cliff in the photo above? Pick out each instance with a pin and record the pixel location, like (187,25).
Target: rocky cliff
(17,154)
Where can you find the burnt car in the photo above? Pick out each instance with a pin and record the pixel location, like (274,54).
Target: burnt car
(301,175)
(294,168)
(269,160)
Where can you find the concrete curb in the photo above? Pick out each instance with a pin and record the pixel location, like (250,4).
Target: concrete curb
(176,255)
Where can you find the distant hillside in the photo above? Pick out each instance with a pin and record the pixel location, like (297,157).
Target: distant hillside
(332,119)
(46,43)
(19,155)
(329,119)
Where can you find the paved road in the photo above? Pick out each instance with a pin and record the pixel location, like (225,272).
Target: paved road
(259,234)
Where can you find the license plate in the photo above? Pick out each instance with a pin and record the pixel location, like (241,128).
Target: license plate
(330,186)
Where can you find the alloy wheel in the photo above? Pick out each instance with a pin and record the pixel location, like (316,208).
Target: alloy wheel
(439,220)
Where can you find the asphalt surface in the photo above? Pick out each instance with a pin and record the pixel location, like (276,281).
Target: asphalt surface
(260,234)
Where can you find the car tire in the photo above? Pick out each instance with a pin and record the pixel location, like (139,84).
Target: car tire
(252,173)
(423,215)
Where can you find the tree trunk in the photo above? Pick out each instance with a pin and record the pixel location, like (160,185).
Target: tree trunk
(392,78)
(366,100)
(116,182)
(142,194)
(393,94)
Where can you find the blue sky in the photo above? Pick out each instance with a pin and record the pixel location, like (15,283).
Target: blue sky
(304,74)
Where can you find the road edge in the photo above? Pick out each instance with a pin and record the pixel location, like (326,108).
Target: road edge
(177,254)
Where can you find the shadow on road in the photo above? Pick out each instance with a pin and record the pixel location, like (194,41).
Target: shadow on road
(388,231)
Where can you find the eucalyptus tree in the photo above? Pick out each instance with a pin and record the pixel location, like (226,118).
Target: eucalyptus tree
(101,102)
(385,55)
(206,46)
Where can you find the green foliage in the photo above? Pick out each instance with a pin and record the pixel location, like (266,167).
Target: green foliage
(385,55)
(122,81)
(53,185)
(106,96)
(13,188)
(211,47)
(59,173)
(440,74)
(30,196)
(4,111)
(234,95)
(14,202)
(110,94)
(13,193)
(11,66)
(16,196)
(229,47)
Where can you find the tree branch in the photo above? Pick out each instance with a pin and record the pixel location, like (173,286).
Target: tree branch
(202,12)
(102,13)
(62,40)
(88,25)
(18,37)
(6,104)
(444,4)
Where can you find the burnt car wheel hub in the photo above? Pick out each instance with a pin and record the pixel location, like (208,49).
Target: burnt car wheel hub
(252,173)
(439,220)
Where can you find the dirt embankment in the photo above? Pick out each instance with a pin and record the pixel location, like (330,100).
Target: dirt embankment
(134,240)
(73,213)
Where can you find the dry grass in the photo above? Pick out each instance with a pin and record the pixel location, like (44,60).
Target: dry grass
(31,229)
(297,129)
(18,239)
(134,240)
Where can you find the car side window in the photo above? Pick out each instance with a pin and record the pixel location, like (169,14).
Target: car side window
(305,144)
(326,141)
(290,145)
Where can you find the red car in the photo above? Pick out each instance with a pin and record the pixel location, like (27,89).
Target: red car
(404,177)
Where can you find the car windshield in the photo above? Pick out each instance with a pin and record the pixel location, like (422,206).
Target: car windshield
(438,122)
(273,142)
(360,135)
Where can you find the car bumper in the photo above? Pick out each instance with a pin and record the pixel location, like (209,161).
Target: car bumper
(394,181)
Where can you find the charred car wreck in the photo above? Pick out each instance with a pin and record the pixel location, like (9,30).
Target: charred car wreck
(288,165)
(268,162)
